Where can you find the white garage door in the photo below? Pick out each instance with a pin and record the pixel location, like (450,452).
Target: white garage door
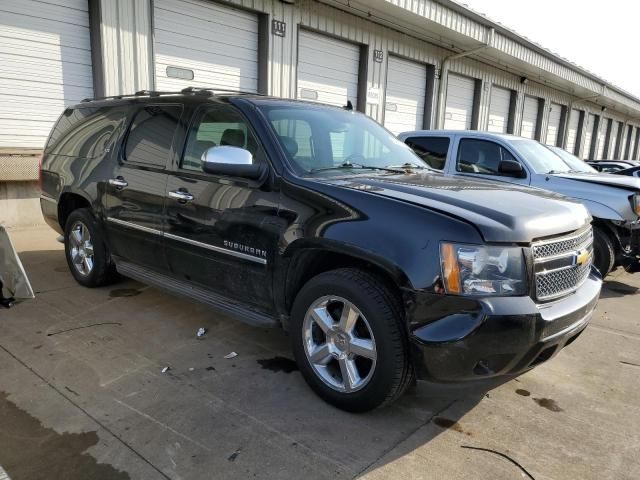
(588,137)
(499,110)
(45,65)
(602,135)
(204,44)
(404,103)
(553,127)
(613,142)
(572,134)
(529,117)
(327,69)
(459,106)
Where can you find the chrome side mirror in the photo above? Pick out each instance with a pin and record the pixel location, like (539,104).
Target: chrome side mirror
(232,162)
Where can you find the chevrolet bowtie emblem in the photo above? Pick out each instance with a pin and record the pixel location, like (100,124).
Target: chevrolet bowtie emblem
(582,257)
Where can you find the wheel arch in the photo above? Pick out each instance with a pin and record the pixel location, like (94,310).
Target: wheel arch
(70,201)
(308,259)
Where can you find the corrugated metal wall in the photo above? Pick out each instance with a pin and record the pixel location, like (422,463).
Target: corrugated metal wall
(127,46)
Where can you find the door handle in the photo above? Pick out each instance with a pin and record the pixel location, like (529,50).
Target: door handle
(181,196)
(118,182)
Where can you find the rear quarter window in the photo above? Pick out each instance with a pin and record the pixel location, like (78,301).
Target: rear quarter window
(432,150)
(85,132)
(151,135)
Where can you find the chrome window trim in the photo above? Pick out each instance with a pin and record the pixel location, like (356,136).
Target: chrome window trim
(195,243)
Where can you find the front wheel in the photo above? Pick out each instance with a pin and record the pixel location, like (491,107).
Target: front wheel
(349,341)
(603,252)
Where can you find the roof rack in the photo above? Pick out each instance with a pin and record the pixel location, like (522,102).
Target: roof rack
(140,93)
(206,91)
(216,91)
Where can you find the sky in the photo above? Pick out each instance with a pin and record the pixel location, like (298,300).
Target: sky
(600,36)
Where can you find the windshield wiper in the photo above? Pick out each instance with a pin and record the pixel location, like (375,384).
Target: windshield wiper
(349,165)
(407,166)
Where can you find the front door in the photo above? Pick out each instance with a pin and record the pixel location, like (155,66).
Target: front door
(135,191)
(221,232)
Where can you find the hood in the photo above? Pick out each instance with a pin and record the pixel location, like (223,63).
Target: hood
(605,195)
(629,183)
(501,212)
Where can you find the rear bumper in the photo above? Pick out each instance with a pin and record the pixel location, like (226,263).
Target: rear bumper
(500,336)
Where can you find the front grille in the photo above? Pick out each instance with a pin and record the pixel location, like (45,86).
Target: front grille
(558,267)
(573,243)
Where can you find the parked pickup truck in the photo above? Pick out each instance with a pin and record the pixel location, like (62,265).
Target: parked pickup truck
(613,201)
(318,220)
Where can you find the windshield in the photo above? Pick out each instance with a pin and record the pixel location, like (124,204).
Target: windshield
(575,164)
(539,157)
(325,139)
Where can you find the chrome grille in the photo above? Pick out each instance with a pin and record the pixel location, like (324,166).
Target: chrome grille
(558,270)
(552,248)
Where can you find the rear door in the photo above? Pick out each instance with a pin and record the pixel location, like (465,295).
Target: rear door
(221,232)
(134,193)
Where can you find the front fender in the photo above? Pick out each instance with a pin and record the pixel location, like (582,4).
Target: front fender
(601,211)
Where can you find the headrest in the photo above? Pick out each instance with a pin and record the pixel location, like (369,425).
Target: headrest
(290,145)
(233,137)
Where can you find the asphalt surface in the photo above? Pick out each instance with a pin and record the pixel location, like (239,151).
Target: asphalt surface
(82,395)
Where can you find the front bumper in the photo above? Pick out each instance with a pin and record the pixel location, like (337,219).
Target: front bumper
(494,337)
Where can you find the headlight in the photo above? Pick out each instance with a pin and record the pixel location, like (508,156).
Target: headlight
(635,203)
(482,270)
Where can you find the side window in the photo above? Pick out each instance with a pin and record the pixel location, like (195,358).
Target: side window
(214,126)
(480,156)
(432,150)
(151,135)
(85,132)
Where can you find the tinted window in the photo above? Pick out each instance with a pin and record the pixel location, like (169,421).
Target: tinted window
(151,135)
(433,150)
(219,125)
(481,156)
(85,132)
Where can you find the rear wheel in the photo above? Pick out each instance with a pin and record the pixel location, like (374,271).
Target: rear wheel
(349,341)
(87,255)
(603,251)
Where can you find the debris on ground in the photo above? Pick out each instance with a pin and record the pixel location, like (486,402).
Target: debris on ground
(166,369)
(191,369)
(234,455)
(230,355)
(201,333)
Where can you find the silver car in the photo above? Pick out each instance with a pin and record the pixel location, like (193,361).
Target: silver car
(612,200)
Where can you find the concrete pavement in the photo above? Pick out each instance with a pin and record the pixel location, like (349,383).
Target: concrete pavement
(82,395)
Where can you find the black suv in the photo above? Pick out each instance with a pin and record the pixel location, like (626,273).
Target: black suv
(316,219)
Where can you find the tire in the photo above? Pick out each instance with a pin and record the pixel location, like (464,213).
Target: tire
(603,252)
(81,227)
(377,322)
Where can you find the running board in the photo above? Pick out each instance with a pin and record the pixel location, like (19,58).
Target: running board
(178,287)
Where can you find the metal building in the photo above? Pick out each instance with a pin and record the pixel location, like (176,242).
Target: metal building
(407,63)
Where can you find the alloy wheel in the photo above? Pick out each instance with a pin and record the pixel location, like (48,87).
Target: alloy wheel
(339,344)
(81,248)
